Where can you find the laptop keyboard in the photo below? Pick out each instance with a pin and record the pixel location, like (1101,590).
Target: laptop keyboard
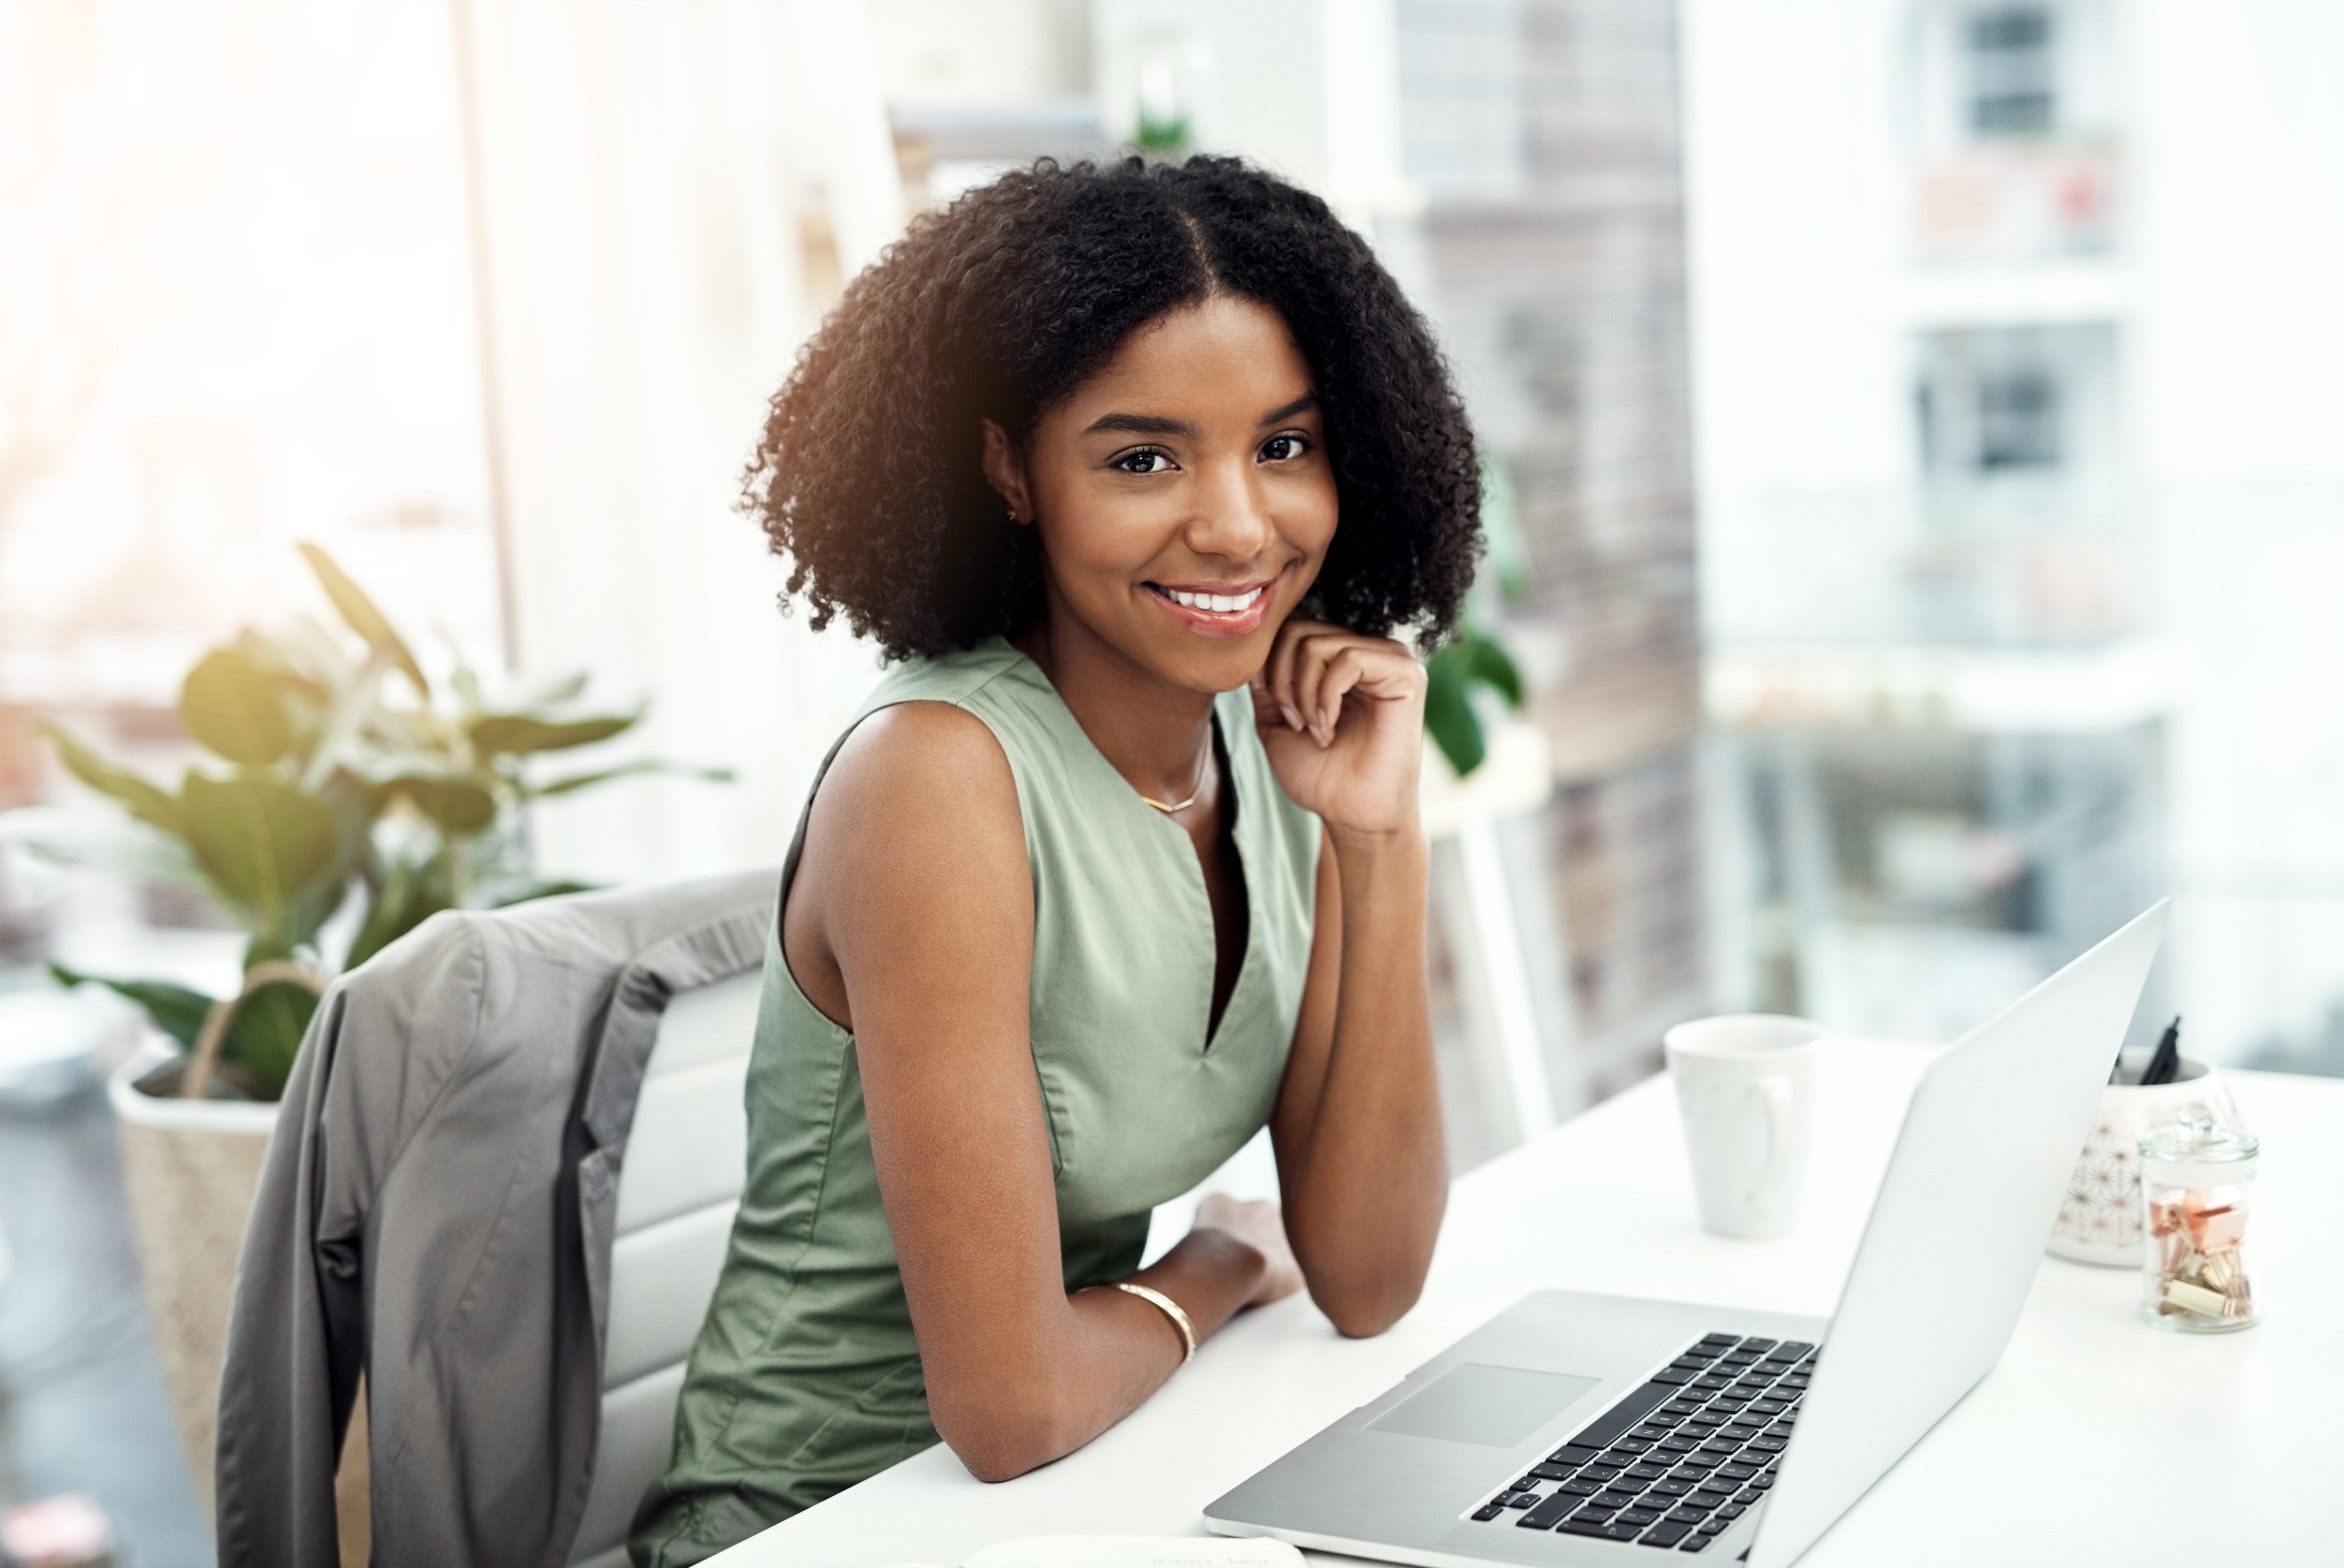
(1678,1460)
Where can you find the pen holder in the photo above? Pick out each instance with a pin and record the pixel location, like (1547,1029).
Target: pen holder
(2100,1219)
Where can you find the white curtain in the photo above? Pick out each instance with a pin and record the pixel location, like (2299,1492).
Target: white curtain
(646,171)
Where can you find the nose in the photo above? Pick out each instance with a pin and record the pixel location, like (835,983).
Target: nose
(1231,519)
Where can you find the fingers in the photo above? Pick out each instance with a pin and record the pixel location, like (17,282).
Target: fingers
(1296,665)
(1279,670)
(1328,671)
(1312,667)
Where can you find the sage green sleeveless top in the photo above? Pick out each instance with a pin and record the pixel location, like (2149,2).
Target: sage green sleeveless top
(805,1378)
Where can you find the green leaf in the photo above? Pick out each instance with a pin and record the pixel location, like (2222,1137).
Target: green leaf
(454,805)
(232,706)
(587,781)
(265,1034)
(176,1010)
(550,890)
(146,801)
(1489,663)
(257,839)
(357,802)
(1449,716)
(410,730)
(278,662)
(307,910)
(363,618)
(409,896)
(508,734)
(577,782)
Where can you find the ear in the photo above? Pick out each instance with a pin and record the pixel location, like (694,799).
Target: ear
(1005,471)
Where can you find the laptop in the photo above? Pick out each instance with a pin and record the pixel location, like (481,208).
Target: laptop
(1596,1429)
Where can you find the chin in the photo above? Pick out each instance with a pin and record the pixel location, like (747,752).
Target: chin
(1210,663)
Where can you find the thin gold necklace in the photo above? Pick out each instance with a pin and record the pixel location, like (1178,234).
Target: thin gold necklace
(1203,761)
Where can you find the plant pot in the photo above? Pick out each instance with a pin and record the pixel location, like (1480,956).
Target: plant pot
(2100,1219)
(189,1169)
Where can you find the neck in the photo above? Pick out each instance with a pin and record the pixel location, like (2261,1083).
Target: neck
(1151,731)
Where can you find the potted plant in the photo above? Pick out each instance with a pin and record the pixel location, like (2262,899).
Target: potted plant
(337,779)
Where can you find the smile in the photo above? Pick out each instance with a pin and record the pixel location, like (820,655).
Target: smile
(1216,614)
(1220,604)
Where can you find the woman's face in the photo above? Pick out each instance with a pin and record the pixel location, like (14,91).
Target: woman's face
(1183,493)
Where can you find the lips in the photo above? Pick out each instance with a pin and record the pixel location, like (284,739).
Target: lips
(1215,609)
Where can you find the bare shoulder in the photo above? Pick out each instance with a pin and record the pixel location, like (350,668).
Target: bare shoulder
(914,851)
(919,763)
(918,803)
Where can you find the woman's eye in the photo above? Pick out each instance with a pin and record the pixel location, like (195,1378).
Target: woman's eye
(1147,459)
(1278,449)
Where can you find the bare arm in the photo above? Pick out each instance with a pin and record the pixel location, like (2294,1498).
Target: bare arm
(911,921)
(1357,1122)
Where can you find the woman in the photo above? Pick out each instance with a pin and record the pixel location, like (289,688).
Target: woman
(1134,469)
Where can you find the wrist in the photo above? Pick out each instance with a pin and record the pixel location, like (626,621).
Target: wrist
(1370,850)
(1226,1254)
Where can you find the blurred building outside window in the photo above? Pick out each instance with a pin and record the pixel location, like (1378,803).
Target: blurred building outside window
(1999,481)
(2011,110)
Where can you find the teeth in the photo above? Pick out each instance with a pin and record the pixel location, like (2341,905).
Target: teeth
(1220,604)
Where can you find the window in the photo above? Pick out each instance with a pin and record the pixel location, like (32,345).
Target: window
(2019,420)
(2002,406)
(2013,61)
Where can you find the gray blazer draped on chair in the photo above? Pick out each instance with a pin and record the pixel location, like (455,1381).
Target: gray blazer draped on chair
(436,1211)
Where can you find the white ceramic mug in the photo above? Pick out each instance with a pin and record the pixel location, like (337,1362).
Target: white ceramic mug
(1747,1090)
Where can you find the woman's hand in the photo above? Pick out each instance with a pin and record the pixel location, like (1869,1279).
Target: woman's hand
(1260,1226)
(1341,717)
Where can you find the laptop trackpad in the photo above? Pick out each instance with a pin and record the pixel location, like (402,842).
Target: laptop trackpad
(1494,1406)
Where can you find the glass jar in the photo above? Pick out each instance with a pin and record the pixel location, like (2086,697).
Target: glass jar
(2197,1194)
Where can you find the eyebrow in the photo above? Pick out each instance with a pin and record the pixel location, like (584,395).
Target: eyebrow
(1140,424)
(1156,424)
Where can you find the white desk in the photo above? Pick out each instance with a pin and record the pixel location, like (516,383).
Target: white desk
(2097,1439)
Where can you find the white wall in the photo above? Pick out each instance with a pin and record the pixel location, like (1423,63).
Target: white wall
(936,52)
(1308,89)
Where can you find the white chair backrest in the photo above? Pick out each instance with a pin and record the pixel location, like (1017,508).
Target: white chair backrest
(679,1187)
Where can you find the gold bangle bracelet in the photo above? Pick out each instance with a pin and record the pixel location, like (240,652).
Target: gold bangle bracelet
(1170,1309)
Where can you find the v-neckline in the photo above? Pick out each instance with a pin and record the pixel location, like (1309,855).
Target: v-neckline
(1160,822)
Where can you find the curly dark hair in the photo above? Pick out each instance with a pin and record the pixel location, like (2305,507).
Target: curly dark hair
(868,475)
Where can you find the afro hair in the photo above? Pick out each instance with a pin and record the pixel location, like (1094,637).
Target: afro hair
(867,477)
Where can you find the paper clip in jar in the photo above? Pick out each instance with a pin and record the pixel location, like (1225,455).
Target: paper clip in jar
(2197,1197)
